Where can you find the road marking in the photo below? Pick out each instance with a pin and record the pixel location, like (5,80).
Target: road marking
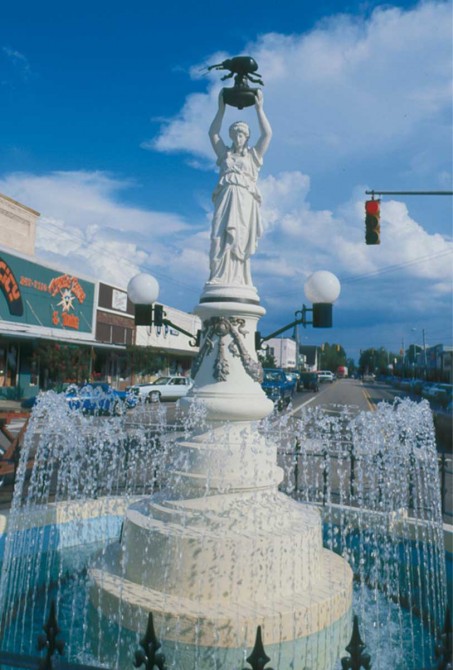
(307,402)
(371,404)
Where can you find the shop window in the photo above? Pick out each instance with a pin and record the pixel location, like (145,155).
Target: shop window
(105,296)
(118,335)
(103,332)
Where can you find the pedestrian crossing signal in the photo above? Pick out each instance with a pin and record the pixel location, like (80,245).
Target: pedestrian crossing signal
(372,225)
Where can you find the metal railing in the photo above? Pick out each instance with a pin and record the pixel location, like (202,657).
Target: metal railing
(322,462)
(150,656)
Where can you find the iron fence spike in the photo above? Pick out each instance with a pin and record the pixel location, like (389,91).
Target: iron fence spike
(258,658)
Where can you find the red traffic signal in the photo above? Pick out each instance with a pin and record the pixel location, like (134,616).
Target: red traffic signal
(372,226)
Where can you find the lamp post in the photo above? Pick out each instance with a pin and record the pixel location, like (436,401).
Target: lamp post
(143,291)
(322,288)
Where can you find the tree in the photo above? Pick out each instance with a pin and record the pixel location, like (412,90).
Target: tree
(412,352)
(332,356)
(144,360)
(266,359)
(59,363)
(350,364)
(375,361)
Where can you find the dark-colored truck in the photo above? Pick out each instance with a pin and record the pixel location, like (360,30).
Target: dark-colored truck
(278,387)
(309,381)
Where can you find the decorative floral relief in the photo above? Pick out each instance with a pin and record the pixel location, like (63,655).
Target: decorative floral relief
(218,327)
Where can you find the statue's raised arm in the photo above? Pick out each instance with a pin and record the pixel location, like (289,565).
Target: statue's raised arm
(214,131)
(236,225)
(265,127)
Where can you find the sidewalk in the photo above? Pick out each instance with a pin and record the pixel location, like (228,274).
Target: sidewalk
(11,406)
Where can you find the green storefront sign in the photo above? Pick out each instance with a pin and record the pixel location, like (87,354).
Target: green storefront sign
(39,296)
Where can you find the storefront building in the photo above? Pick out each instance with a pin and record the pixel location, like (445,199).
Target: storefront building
(175,349)
(56,327)
(39,304)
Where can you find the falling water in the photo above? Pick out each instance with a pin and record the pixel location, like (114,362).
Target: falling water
(374,477)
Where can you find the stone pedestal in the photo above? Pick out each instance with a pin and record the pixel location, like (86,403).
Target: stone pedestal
(221,551)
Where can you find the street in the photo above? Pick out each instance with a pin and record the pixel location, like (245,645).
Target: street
(363,395)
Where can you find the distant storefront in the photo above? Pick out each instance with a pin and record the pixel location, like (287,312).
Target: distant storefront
(435,363)
(175,349)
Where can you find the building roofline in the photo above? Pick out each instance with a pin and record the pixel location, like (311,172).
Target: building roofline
(19,204)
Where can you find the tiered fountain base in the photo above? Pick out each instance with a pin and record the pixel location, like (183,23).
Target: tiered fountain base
(221,551)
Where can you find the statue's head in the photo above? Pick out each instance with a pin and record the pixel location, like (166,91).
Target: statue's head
(239,126)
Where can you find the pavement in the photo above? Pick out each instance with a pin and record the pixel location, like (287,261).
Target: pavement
(11,406)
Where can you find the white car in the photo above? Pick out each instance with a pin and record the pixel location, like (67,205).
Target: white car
(326,376)
(164,388)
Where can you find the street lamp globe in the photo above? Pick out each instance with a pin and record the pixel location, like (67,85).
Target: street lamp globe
(322,287)
(143,289)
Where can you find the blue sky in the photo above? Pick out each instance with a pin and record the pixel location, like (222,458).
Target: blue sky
(104,115)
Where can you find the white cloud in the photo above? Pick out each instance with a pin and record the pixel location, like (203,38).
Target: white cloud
(300,240)
(18,61)
(87,198)
(350,87)
(83,223)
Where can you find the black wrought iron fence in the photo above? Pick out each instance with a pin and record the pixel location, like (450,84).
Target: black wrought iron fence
(150,656)
(324,463)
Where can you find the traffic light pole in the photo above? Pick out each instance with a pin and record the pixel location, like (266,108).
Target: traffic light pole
(373,192)
(372,210)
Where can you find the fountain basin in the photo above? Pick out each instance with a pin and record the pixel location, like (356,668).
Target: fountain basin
(70,537)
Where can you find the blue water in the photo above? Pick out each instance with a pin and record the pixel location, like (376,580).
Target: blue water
(81,625)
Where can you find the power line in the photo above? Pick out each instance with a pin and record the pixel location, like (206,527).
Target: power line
(390,268)
(398,266)
(99,248)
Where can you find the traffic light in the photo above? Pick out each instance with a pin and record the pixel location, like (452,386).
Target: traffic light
(143,315)
(372,226)
(149,315)
(158,316)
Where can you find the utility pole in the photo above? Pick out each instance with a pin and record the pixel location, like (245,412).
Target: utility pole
(424,355)
(404,356)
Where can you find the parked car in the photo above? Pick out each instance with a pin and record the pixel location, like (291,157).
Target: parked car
(277,386)
(438,393)
(99,398)
(326,376)
(164,388)
(309,381)
(369,377)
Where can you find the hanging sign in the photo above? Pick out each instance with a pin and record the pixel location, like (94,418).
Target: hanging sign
(37,295)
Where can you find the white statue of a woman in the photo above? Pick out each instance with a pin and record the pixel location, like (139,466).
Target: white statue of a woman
(236,225)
